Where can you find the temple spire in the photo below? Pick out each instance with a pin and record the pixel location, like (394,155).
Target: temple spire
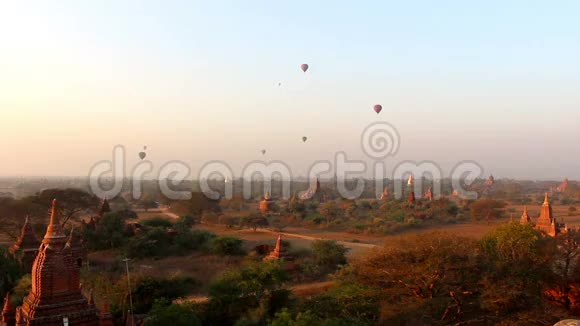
(278,243)
(525,219)
(91,299)
(279,252)
(546,200)
(54,213)
(105,208)
(8,312)
(54,229)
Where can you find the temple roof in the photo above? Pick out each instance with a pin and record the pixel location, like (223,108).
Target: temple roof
(429,194)
(279,250)
(27,239)
(105,208)
(546,222)
(385,193)
(525,216)
(490,181)
(55,289)
(411,197)
(8,306)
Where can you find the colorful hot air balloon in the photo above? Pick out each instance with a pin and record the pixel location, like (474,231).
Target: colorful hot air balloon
(304,139)
(304,67)
(142,155)
(263,151)
(378,108)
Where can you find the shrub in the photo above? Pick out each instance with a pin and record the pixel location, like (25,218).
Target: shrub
(229,246)
(185,222)
(158,222)
(329,254)
(164,313)
(148,289)
(108,235)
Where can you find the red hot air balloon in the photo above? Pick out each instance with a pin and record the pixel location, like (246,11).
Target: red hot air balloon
(378,108)
(304,67)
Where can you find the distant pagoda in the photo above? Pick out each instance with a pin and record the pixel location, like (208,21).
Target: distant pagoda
(525,219)
(313,193)
(563,186)
(279,251)
(105,208)
(267,204)
(490,181)
(429,194)
(385,194)
(411,197)
(25,248)
(546,222)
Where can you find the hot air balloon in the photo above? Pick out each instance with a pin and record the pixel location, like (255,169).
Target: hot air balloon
(263,151)
(304,67)
(144,148)
(279,84)
(304,139)
(142,155)
(378,108)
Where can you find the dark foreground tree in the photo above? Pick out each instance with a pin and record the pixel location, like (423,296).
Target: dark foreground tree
(254,292)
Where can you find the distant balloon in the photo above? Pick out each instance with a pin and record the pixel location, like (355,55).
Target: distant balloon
(263,151)
(142,155)
(304,139)
(279,84)
(378,108)
(144,148)
(304,67)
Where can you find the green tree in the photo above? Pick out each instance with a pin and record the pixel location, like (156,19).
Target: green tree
(254,222)
(424,279)
(109,234)
(71,202)
(296,207)
(329,211)
(226,246)
(147,290)
(514,264)
(486,209)
(158,222)
(198,204)
(254,291)
(9,272)
(328,254)
(164,313)
(14,211)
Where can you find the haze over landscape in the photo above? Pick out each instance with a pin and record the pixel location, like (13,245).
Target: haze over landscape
(492,82)
(289,163)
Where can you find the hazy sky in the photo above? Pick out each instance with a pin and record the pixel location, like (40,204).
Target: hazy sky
(497,82)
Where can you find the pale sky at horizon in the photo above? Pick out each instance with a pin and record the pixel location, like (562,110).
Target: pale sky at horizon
(196,81)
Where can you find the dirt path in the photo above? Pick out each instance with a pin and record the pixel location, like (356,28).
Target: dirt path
(311,238)
(301,290)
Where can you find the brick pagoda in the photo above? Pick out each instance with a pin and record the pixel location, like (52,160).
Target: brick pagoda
(56,294)
(26,246)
